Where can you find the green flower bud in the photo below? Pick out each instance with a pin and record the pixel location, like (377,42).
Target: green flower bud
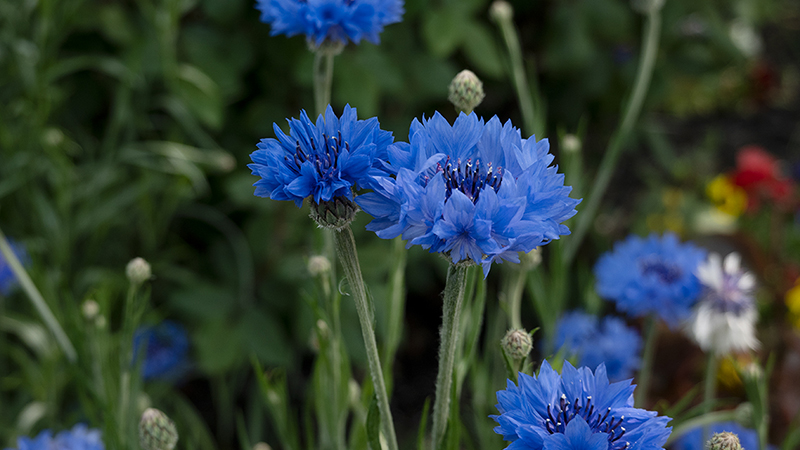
(157,431)
(335,214)
(646,6)
(724,441)
(501,11)
(466,91)
(138,271)
(517,344)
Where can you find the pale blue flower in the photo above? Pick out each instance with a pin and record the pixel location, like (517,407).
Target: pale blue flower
(653,275)
(475,191)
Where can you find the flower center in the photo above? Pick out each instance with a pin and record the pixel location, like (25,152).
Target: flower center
(731,298)
(324,159)
(599,421)
(470,180)
(667,273)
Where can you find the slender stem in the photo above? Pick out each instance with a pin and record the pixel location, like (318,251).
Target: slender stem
(36,298)
(517,287)
(453,299)
(323,79)
(651,34)
(651,330)
(346,247)
(518,73)
(710,389)
(700,421)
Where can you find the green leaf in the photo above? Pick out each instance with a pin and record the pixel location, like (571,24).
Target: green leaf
(481,49)
(443,31)
(200,94)
(374,425)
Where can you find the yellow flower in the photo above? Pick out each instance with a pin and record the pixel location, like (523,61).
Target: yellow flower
(793,303)
(726,196)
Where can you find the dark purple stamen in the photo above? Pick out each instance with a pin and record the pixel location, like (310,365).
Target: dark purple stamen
(325,159)
(560,415)
(666,272)
(470,180)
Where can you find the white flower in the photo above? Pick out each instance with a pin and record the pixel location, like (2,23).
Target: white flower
(724,318)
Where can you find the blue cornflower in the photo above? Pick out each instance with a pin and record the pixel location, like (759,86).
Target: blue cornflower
(8,280)
(321,161)
(79,438)
(693,439)
(653,275)
(166,350)
(609,341)
(576,410)
(475,191)
(337,21)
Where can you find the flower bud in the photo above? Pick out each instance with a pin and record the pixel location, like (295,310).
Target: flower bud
(646,6)
(90,309)
(517,344)
(466,91)
(501,10)
(318,265)
(570,143)
(262,446)
(138,271)
(724,441)
(157,431)
(334,214)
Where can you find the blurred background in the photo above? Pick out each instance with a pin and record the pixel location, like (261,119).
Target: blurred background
(126,127)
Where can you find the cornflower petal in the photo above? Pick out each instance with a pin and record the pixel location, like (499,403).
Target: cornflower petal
(473,190)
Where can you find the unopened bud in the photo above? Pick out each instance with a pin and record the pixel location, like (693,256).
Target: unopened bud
(724,441)
(100,322)
(501,11)
(571,143)
(138,271)
(743,414)
(262,446)
(466,91)
(646,6)
(157,431)
(90,309)
(318,265)
(517,344)
(334,214)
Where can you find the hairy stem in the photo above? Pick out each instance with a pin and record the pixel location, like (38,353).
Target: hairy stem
(453,300)
(346,248)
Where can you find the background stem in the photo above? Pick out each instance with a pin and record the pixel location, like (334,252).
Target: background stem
(643,383)
(453,300)
(36,298)
(651,34)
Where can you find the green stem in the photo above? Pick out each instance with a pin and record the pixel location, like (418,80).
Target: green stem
(651,330)
(517,286)
(323,79)
(651,34)
(710,390)
(518,73)
(36,298)
(453,299)
(346,247)
(700,421)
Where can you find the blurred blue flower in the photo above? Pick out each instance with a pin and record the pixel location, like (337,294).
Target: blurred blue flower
(576,410)
(609,341)
(474,191)
(653,275)
(8,280)
(693,439)
(321,161)
(332,20)
(166,350)
(79,438)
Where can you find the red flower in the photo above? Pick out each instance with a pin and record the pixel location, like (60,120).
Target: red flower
(758,172)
